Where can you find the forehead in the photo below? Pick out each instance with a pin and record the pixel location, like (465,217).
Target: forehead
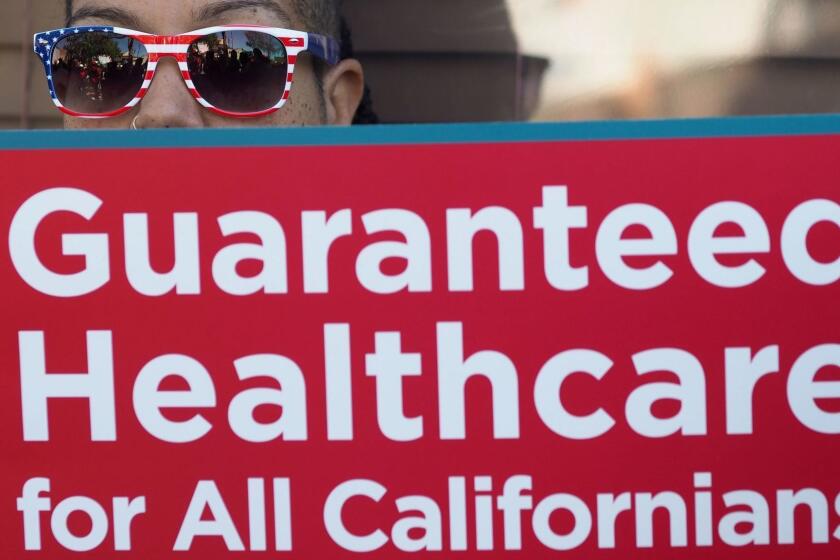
(168,17)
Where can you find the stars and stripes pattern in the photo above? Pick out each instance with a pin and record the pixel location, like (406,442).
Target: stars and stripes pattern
(176,46)
(44,43)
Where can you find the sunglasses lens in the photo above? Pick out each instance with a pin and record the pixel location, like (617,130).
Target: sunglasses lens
(97,72)
(239,71)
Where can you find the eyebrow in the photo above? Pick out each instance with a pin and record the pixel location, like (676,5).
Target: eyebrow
(109,14)
(219,8)
(206,13)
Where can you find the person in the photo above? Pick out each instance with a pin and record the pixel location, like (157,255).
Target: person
(322,94)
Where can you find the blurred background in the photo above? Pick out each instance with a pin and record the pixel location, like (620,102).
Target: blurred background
(545,60)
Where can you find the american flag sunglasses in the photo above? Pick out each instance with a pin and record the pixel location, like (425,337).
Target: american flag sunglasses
(233,70)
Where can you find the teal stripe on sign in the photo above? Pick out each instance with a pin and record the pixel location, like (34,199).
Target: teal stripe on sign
(423,133)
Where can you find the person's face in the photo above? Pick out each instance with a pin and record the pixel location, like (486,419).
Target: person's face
(169,104)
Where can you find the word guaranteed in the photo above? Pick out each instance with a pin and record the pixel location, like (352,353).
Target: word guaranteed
(555,218)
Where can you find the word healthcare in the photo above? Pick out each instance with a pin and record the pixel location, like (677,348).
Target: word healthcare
(390,366)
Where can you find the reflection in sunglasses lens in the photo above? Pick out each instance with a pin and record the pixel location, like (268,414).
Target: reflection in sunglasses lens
(98,72)
(239,71)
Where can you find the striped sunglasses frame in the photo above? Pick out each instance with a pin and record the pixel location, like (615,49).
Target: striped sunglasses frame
(176,46)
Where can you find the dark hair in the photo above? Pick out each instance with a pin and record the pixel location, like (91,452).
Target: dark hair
(320,16)
(324,17)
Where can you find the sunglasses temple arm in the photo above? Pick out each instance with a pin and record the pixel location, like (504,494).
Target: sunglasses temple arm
(325,48)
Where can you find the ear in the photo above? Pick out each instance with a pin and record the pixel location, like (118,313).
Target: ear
(344,85)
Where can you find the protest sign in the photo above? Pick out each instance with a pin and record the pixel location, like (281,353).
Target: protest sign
(583,341)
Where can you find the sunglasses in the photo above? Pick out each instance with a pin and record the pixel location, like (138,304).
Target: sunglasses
(233,70)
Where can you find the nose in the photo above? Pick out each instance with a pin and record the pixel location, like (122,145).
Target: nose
(168,103)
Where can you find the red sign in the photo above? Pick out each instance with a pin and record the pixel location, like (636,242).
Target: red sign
(612,349)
